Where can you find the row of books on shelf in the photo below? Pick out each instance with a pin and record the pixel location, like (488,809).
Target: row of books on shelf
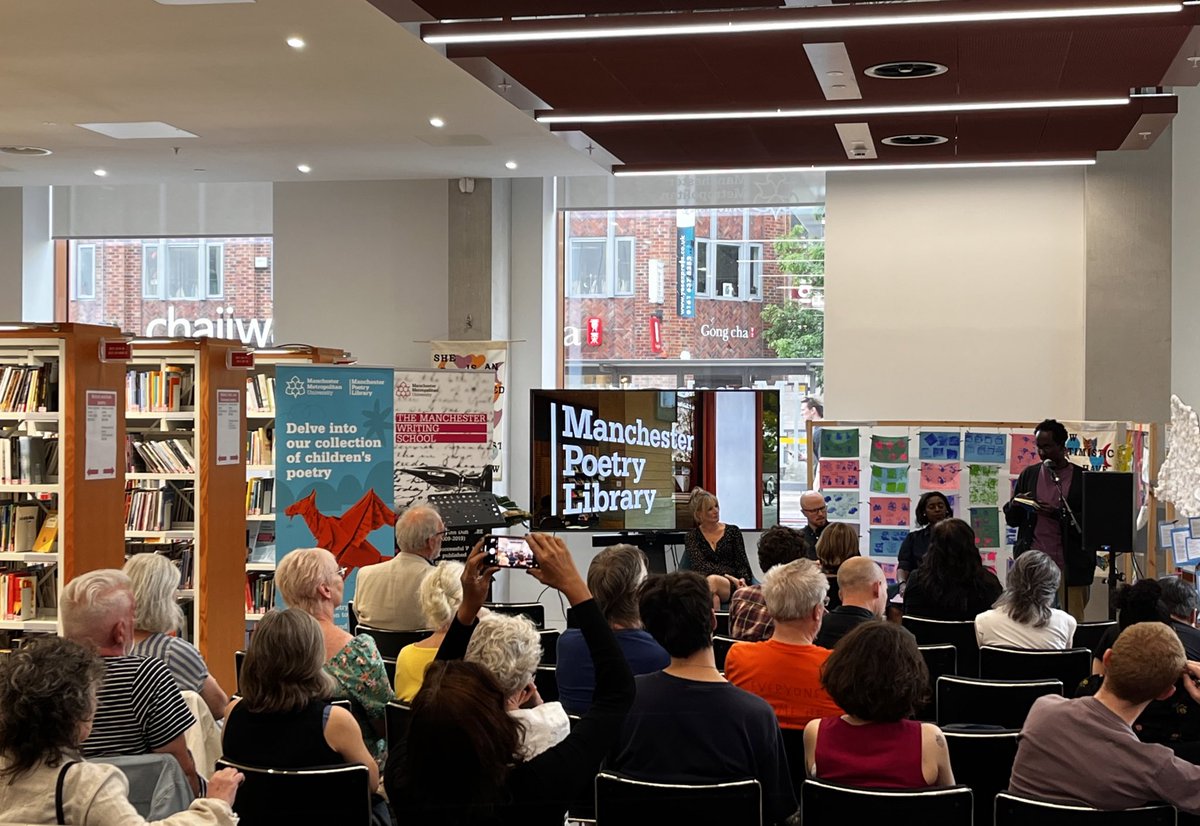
(144,454)
(260,393)
(179,551)
(18,596)
(260,446)
(163,508)
(25,527)
(260,496)
(260,592)
(29,388)
(159,391)
(28,460)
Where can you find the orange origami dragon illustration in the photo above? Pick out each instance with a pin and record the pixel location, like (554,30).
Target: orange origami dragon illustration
(345,536)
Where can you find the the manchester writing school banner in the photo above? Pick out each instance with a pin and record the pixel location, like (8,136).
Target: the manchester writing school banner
(443,438)
(481,355)
(333,465)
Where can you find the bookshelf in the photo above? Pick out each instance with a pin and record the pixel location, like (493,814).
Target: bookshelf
(178,400)
(51,419)
(260,467)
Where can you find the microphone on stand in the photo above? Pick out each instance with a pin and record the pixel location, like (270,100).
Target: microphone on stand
(1050,467)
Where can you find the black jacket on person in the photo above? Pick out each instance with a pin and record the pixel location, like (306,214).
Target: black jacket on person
(1081,565)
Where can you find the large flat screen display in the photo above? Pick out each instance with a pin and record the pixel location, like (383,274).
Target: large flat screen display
(629,459)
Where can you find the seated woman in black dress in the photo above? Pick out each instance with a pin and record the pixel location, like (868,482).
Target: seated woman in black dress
(283,719)
(951,583)
(714,549)
(932,507)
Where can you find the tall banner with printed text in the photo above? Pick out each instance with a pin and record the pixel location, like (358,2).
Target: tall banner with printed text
(333,465)
(481,355)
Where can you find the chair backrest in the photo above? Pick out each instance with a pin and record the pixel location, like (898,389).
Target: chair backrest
(239,657)
(959,633)
(550,646)
(1014,810)
(534,610)
(397,716)
(326,794)
(389,667)
(158,788)
(722,629)
(352,616)
(1003,703)
(546,680)
(1071,667)
(721,646)
(622,800)
(982,761)
(824,803)
(940,660)
(793,747)
(389,643)
(1088,634)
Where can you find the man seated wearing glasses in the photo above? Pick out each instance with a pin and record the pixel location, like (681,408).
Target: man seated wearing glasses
(786,669)
(817,514)
(386,594)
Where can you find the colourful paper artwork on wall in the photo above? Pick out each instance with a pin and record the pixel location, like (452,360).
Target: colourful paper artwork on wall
(889,571)
(839,444)
(953,499)
(886,541)
(839,473)
(1010,535)
(889,479)
(1022,453)
(889,449)
(985,447)
(939,475)
(989,561)
(889,510)
(842,504)
(940,445)
(986,524)
(985,480)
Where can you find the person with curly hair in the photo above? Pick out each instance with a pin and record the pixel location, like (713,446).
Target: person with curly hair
(951,583)
(749,619)
(1023,616)
(878,676)
(47,702)
(439,594)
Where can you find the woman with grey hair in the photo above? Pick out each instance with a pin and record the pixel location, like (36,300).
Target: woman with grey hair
(157,617)
(309,579)
(510,649)
(1023,616)
(48,696)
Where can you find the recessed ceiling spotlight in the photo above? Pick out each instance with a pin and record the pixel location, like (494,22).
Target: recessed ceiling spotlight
(296,42)
(24,151)
(305,168)
(510,165)
(915,140)
(905,69)
(436,122)
(100,173)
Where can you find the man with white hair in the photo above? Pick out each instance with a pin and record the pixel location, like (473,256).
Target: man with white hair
(786,669)
(139,709)
(386,593)
(863,588)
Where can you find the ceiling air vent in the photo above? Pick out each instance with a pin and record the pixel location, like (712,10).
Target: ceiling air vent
(915,140)
(903,69)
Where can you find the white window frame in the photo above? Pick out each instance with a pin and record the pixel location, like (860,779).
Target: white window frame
(219,247)
(608,285)
(80,294)
(750,263)
(162,247)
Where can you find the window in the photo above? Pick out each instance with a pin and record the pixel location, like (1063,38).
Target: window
(592,272)
(216,270)
(756,270)
(702,287)
(85,271)
(731,270)
(725,270)
(183,270)
(151,285)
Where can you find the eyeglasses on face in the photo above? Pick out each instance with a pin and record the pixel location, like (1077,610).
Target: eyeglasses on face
(820,509)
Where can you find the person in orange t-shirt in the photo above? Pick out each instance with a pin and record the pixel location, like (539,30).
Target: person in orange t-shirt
(786,669)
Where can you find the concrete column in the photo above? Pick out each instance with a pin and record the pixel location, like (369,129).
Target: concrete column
(11,274)
(1127,295)
(477,251)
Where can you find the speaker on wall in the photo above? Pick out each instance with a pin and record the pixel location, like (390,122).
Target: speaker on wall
(1109,511)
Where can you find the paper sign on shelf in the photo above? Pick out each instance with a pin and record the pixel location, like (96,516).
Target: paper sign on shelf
(100,437)
(229,427)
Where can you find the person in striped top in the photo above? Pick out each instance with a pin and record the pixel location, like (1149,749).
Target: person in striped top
(139,709)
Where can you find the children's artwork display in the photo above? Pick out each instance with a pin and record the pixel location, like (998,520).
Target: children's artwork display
(873,474)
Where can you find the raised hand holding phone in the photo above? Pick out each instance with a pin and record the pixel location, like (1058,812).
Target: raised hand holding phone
(476,580)
(556,568)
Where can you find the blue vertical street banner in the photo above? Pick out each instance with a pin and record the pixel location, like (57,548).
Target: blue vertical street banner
(334,465)
(685,262)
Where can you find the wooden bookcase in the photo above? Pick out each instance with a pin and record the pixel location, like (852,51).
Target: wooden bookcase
(89,518)
(217,490)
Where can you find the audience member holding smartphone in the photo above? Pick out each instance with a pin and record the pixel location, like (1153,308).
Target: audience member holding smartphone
(461,762)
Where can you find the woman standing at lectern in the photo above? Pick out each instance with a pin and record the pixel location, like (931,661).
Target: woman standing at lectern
(715,549)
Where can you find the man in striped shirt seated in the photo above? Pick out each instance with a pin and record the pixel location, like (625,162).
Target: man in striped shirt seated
(139,709)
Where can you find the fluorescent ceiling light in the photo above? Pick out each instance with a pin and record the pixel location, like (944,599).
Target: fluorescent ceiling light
(137,130)
(573,31)
(853,167)
(835,111)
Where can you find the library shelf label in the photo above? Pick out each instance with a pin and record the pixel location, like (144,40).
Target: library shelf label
(100,446)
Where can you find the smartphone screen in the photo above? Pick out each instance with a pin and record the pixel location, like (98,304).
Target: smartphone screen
(509,552)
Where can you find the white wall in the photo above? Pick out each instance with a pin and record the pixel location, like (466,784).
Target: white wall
(11,244)
(38,255)
(948,290)
(1185,248)
(362,265)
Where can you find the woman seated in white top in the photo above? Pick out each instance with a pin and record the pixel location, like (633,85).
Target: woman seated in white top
(1022,617)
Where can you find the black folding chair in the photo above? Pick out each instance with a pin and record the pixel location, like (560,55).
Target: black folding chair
(1070,667)
(328,794)
(722,629)
(239,657)
(389,643)
(1003,703)
(396,717)
(1088,634)
(549,646)
(546,680)
(1015,810)
(621,801)
(831,804)
(959,633)
(940,660)
(982,761)
(721,646)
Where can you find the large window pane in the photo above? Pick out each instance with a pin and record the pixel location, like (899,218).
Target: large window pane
(216,270)
(624,271)
(726,266)
(755,266)
(183,271)
(151,272)
(85,271)
(586,267)
(702,283)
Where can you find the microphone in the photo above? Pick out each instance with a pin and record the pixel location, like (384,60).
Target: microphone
(1050,467)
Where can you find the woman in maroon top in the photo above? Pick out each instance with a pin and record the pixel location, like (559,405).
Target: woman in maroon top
(878,676)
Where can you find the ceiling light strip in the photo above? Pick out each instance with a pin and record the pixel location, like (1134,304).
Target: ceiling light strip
(597,32)
(857,167)
(833,111)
